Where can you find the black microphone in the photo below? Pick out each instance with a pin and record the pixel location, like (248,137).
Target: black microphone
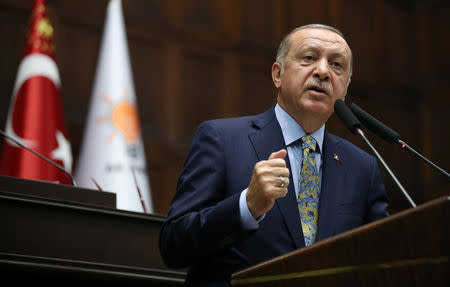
(347,117)
(39,155)
(388,134)
(354,125)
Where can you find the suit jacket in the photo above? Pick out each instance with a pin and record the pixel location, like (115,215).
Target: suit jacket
(203,229)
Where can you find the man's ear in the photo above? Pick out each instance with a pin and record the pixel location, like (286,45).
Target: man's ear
(276,74)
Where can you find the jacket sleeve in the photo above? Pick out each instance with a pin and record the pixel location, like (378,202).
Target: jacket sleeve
(203,219)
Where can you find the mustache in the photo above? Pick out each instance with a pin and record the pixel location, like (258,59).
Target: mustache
(314,83)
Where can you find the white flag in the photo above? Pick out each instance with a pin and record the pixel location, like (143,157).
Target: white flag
(112,154)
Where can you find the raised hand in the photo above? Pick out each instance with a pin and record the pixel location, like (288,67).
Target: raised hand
(270,180)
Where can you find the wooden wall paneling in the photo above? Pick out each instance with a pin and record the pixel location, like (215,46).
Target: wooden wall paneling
(175,15)
(432,42)
(164,166)
(151,92)
(19,4)
(400,112)
(280,23)
(149,64)
(263,26)
(201,92)
(425,147)
(195,80)
(231,19)
(231,85)
(376,37)
(146,19)
(438,92)
(363,27)
(76,57)
(258,92)
(335,13)
(423,54)
(14,20)
(166,158)
(386,45)
(259,31)
(400,115)
(157,53)
(302,12)
(77,37)
(172,87)
(232,26)
(399,38)
(203,23)
(422,46)
(391,104)
(439,124)
(79,11)
(156,58)
(212,29)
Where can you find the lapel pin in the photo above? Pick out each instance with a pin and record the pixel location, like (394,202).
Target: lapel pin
(336,158)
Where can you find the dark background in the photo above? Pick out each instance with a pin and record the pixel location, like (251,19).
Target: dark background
(195,60)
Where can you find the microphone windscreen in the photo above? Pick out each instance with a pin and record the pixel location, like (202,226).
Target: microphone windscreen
(375,125)
(344,113)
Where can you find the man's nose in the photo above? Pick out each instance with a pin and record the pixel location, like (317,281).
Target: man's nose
(322,70)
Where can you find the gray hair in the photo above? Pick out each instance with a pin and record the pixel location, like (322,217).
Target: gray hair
(285,44)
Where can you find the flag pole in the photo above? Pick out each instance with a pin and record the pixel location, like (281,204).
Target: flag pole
(139,191)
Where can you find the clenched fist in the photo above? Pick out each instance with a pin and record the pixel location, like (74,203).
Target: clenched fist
(265,185)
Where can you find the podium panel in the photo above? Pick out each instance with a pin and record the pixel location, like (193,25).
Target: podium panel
(55,233)
(57,192)
(410,248)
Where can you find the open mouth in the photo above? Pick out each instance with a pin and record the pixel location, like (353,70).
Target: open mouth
(317,89)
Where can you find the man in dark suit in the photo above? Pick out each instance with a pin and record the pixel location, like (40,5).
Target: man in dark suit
(256,187)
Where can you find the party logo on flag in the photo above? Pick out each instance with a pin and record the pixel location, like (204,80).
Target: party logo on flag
(112,153)
(123,116)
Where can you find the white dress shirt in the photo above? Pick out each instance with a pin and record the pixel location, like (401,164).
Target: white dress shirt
(292,133)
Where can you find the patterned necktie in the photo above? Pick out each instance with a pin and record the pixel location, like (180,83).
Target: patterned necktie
(309,190)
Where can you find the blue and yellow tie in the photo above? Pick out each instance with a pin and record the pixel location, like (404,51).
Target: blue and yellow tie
(309,190)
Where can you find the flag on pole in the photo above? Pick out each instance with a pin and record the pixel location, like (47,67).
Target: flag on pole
(35,116)
(112,153)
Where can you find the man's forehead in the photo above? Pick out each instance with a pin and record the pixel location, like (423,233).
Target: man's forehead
(318,36)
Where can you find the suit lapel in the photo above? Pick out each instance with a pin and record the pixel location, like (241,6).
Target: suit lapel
(266,139)
(333,174)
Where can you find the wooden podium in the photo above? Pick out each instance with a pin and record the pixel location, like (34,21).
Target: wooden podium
(410,248)
(61,234)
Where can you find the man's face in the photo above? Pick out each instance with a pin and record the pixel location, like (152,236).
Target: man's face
(316,74)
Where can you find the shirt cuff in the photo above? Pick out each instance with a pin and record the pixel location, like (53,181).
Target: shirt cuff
(247,219)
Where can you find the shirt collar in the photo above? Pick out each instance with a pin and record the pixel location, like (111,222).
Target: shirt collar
(292,131)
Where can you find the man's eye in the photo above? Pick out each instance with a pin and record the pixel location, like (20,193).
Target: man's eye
(336,64)
(308,58)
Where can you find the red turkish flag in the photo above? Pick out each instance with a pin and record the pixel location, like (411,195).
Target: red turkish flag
(35,115)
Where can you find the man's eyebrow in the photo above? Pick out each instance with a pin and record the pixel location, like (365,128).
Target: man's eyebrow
(337,51)
(306,47)
(339,54)
(309,46)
